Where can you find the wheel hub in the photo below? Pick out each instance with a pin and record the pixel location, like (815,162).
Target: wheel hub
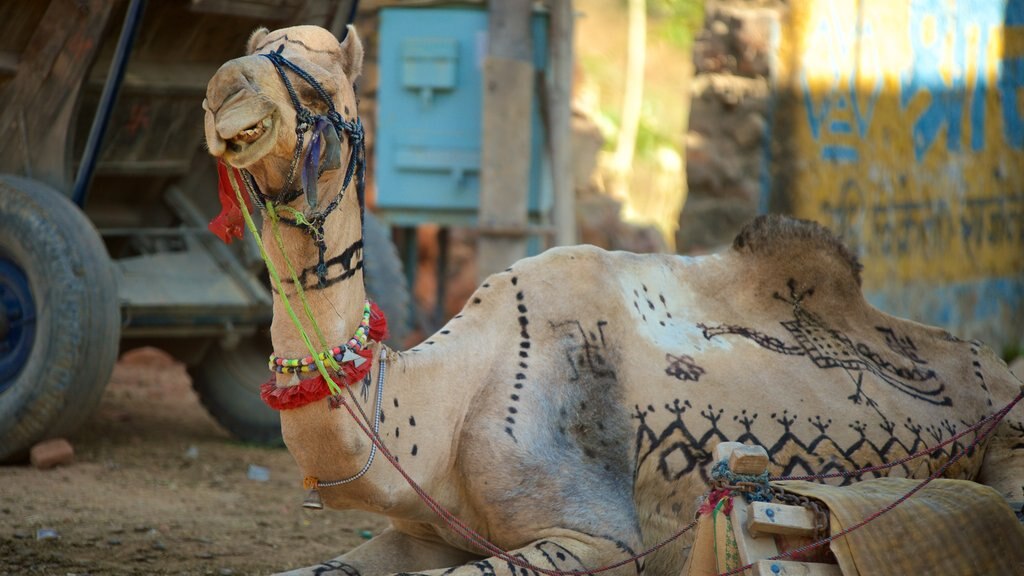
(17,321)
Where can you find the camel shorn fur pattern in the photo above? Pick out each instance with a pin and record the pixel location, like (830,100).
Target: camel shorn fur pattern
(570,411)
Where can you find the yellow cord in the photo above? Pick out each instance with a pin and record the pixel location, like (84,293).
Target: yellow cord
(280,289)
(291,270)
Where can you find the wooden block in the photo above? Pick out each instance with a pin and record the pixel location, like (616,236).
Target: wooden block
(748,460)
(725,449)
(751,549)
(50,453)
(787,568)
(768,518)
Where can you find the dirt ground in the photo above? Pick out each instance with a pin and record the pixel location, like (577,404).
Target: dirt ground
(157,487)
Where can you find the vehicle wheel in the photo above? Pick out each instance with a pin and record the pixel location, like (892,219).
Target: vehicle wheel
(385,281)
(60,321)
(228,384)
(228,381)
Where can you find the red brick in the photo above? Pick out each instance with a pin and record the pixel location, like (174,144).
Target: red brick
(50,453)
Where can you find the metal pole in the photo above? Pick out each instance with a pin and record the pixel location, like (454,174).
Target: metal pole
(100,121)
(560,119)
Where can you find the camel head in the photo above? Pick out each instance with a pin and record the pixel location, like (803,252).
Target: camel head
(251,116)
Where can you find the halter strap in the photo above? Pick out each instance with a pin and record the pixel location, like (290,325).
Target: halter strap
(306,121)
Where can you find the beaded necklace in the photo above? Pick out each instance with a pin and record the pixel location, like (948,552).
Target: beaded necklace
(353,363)
(348,352)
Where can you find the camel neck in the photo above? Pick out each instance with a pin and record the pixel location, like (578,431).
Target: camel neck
(327,259)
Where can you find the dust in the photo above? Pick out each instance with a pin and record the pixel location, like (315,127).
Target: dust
(158,488)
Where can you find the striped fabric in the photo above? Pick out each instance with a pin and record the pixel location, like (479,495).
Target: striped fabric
(950,527)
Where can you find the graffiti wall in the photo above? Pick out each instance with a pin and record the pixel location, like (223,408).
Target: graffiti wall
(907,137)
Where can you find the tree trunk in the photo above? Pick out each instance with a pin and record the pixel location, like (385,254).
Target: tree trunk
(632,100)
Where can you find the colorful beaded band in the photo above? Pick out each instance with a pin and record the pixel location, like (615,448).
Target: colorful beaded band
(308,364)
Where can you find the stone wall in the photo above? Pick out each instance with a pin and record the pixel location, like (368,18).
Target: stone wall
(729,122)
(895,123)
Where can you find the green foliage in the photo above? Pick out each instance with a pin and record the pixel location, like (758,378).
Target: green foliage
(676,21)
(1011,353)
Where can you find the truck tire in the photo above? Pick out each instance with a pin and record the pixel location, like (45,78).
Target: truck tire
(60,320)
(228,381)
(385,280)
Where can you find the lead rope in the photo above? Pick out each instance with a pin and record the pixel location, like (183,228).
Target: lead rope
(291,269)
(313,499)
(276,279)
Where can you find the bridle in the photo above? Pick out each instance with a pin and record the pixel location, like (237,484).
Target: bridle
(327,130)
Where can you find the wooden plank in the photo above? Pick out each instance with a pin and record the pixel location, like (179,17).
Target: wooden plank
(272,10)
(505,141)
(750,548)
(36,106)
(748,460)
(156,167)
(724,449)
(162,78)
(742,458)
(559,97)
(702,559)
(767,518)
(787,568)
(8,63)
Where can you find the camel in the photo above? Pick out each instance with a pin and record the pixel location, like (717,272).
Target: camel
(569,412)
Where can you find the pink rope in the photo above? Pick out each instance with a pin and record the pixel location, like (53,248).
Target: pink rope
(998,416)
(483,543)
(861,471)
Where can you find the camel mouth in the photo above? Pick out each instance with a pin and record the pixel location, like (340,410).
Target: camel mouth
(251,134)
(250,144)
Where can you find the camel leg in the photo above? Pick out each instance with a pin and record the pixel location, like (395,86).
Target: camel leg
(1003,466)
(566,552)
(389,552)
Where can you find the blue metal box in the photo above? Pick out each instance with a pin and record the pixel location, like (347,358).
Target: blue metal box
(429,102)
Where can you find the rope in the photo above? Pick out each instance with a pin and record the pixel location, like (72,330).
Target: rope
(295,279)
(276,278)
(382,365)
(754,487)
(480,541)
(998,416)
(355,131)
(468,533)
(904,460)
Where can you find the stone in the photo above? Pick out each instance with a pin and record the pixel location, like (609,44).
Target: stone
(752,41)
(148,356)
(750,130)
(258,473)
(50,453)
(47,534)
(709,223)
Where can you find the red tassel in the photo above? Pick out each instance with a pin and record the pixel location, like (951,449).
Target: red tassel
(305,392)
(378,323)
(228,225)
(712,500)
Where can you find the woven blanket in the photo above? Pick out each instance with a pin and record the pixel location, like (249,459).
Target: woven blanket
(951,527)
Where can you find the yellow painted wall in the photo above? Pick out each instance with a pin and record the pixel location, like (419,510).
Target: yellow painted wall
(909,141)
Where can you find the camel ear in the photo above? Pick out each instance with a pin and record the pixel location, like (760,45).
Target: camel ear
(352,54)
(255,39)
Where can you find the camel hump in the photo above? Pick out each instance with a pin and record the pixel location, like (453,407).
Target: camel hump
(778,236)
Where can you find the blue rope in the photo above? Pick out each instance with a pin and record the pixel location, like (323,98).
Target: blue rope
(762,493)
(357,143)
